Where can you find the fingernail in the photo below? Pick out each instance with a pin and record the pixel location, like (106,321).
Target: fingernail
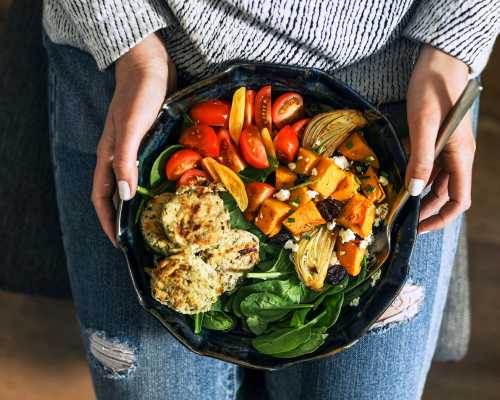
(124,190)
(416,186)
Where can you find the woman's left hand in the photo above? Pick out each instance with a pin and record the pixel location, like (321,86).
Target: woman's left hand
(436,83)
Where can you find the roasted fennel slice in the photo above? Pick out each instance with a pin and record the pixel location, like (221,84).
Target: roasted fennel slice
(327,131)
(313,256)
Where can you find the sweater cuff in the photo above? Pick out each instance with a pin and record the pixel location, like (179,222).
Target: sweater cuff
(109,28)
(465,30)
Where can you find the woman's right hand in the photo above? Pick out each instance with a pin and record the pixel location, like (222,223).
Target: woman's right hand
(145,75)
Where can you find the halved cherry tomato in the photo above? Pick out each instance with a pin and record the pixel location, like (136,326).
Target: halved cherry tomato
(287,108)
(286,143)
(262,110)
(211,112)
(201,138)
(252,148)
(180,162)
(229,155)
(300,126)
(192,176)
(257,192)
(249,103)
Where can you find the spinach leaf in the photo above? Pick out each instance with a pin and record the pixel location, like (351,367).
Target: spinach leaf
(338,288)
(251,174)
(157,173)
(267,275)
(268,251)
(186,120)
(333,306)
(358,291)
(256,325)
(140,209)
(218,321)
(299,317)
(282,341)
(198,322)
(314,342)
(268,306)
(281,263)
(236,218)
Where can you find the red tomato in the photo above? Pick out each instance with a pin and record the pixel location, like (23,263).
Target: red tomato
(201,138)
(192,176)
(252,148)
(287,108)
(229,155)
(286,143)
(300,126)
(249,103)
(211,112)
(262,109)
(180,162)
(257,192)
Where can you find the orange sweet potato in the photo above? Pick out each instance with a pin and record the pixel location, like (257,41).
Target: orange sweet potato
(327,178)
(270,215)
(284,178)
(347,188)
(306,161)
(298,197)
(305,218)
(371,186)
(350,256)
(358,214)
(355,148)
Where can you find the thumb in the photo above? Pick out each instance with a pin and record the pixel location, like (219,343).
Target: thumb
(423,133)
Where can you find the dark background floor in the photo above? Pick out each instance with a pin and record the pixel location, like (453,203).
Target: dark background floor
(41,356)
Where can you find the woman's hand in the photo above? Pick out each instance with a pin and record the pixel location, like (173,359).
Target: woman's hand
(144,76)
(436,83)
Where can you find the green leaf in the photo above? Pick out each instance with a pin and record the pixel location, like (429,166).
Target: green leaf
(139,211)
(236,218)
(198,322)
(256,325)
(338,288)
(282,341)
(251,174)
(157,173)
(218,321)
(333,306)
(281,263)
(186,120)
(314,342)
(299,317)
(266,275)
(269,306)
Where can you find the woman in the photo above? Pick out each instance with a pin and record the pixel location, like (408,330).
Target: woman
(103,99)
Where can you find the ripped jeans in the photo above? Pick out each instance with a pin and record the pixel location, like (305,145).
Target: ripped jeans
(130,354)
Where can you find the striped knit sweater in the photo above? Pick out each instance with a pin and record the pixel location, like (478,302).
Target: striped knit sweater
(370,44)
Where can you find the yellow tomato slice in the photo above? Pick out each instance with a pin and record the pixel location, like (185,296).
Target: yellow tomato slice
(231,181)
(268,142)
(237,114)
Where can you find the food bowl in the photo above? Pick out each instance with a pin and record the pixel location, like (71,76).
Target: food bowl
(321,92)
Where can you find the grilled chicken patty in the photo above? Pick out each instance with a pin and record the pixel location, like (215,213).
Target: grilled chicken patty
(195,217)
(151,226)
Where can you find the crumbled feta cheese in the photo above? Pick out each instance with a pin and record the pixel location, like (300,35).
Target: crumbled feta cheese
(346,235)
(296,238)
(354,302)
(283,195)
(312,194)
(314,172)
(341,161)
(289,244)
(382,210)
(292,166)
(295,248)
(317,142)
(365,242)
(333,259)
(330,225)
(383,180)
(376,276)
(300,158)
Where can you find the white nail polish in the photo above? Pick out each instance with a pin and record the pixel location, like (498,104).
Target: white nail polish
(124,190)
(416,186)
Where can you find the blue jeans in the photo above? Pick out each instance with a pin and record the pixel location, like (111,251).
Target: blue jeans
(132,357)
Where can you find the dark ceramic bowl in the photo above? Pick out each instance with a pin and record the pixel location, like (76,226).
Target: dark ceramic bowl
(319,90)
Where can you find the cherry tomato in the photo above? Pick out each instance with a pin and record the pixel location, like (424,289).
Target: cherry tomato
(262,109)
(180,162)
(211,112)
(249,103)
(286,143)
(229,155)
(192,176)
(252,148)
(201,138)
(300,126)
(257,192)
(287,108)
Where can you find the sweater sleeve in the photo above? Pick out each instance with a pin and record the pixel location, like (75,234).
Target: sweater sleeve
(465,29)
(109,28)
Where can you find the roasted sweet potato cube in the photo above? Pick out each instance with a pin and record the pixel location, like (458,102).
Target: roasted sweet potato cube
(284,178)
(327,178)
(299,197)
(347,188)
(306,161)
(358,214)
(355,148)
(305,218)
(271,214)
(371,186)
(350,256)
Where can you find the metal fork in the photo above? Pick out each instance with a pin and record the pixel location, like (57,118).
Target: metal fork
(382,241)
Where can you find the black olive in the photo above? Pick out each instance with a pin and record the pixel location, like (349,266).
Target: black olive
(335,274)
(329,209)
(281,238)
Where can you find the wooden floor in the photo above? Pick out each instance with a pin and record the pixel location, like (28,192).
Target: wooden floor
(40,350)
